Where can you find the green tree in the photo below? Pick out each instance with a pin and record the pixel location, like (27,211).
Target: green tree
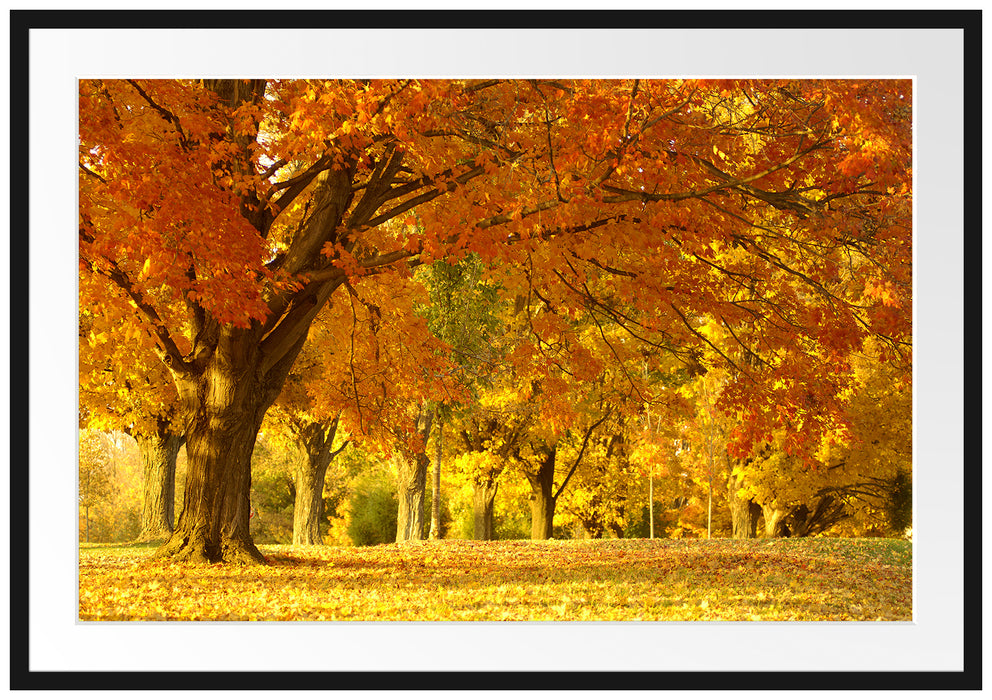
(374,509)
(274,462)
(460,315)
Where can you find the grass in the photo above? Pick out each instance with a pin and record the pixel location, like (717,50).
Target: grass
(782,579)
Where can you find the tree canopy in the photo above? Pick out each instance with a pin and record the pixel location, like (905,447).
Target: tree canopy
(638,232)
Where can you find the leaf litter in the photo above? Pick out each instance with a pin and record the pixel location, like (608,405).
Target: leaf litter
(815,579)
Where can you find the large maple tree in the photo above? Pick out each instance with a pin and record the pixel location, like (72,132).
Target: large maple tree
(230,211)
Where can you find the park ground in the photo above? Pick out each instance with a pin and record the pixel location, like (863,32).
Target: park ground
(812,579)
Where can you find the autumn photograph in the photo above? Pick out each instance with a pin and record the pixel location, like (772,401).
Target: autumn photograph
(495,349)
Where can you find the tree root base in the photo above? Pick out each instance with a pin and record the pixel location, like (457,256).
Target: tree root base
(197,550)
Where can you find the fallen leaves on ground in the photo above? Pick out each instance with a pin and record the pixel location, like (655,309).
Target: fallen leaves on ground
(449,580)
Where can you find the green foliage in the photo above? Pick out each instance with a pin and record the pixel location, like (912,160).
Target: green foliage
(273,489)
(640,525)
(461,308)
(373,514)
(273,475)
(352,472)
(462,526)
(511,519)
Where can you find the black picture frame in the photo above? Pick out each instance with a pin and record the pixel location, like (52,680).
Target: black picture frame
(22,325)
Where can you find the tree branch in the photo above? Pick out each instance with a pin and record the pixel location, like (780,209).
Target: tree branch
(167,348)
(91,173)
(295,185)
(165,114)
(293,324)
(409,204)
(578,459)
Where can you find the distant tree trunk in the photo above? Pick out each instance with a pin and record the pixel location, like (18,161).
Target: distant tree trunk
(412,485)
(308,506)
(744,512)
(774,521)
(315,441)
(158,462)
(483,501)
(542,498)
(411,492)
(435,532)
(800,519)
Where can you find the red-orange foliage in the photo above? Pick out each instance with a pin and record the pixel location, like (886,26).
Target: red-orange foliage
(229,212)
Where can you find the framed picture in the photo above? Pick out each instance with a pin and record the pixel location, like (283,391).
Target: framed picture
(939,51)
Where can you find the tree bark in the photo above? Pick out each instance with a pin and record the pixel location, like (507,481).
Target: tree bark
(158,461)
(315,441)
(411,492)
(308,506)
(542,498)
(412,487)
(744,512)
(435,531)
(774,521)
(213,524)
(225,405)
(483,502)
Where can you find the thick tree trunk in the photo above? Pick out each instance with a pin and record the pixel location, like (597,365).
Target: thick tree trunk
(315,441)
(308,507)
(542,499)
(411,492)
(213,524)
(744,512)
(225,403)
(158,460)
(483,501)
